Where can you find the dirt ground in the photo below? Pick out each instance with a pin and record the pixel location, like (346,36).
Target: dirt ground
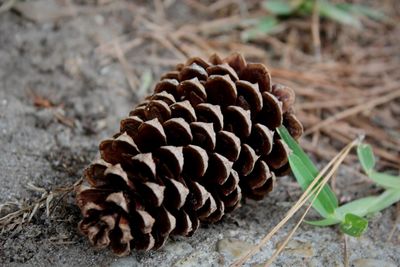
(60,96)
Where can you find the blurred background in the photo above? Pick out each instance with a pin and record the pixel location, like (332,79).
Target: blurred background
(70,70)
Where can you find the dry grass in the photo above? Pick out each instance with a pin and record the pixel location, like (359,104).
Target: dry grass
(25,211)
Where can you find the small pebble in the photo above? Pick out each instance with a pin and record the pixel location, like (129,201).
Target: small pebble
(299,248)
(233,248)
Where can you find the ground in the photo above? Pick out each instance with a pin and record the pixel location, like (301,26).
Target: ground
(60,96)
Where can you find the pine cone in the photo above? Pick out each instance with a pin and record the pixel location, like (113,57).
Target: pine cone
(187,154)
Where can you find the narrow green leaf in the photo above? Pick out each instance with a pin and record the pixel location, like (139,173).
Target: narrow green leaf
(354,225)
(305,8)
(362,207)
(326,193)
(384,200)
(333,12)
(297,150)
(322,204)
(358,207)
(145,81)
(265,26)
(385,180)
(362,10)
(279,7)
(366,157)
(369,205)
(367,160)
(324,222)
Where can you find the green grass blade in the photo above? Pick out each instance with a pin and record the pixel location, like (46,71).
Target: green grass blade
(362,207)
(305,8)
(279,7)
(366,157)
(358,207)
(386,199)
(327,196)
(146,80)
(264,26)
(324,222)
(354,225)
(363,10)
(333,12)
(322,203)
(385,180)
(267,24)
(367,160)
(297,150)
(368,205)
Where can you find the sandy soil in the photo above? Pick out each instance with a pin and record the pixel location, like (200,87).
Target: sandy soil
(49,147)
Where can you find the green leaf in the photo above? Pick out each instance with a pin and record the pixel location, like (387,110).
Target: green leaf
(384,200)
(385,180)
(322,203)
(358,207)
(366,157)
(145,81)
(326,194)
(265,26)
(331,11)
(354,225)
(369,205)
(279,7)
(297,150)
(367,160)
(306,8)
(362,10)
(324,222)
(361,207)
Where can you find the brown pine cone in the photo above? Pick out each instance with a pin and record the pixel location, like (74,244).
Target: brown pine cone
(187,154)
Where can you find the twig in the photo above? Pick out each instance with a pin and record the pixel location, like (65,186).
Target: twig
(221,4)
(131,78)
(396,221)
(315,30)
(64,119)
(160,12)
(333,103)
(197,5)
(354,110)
(345,252)
(169,45)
